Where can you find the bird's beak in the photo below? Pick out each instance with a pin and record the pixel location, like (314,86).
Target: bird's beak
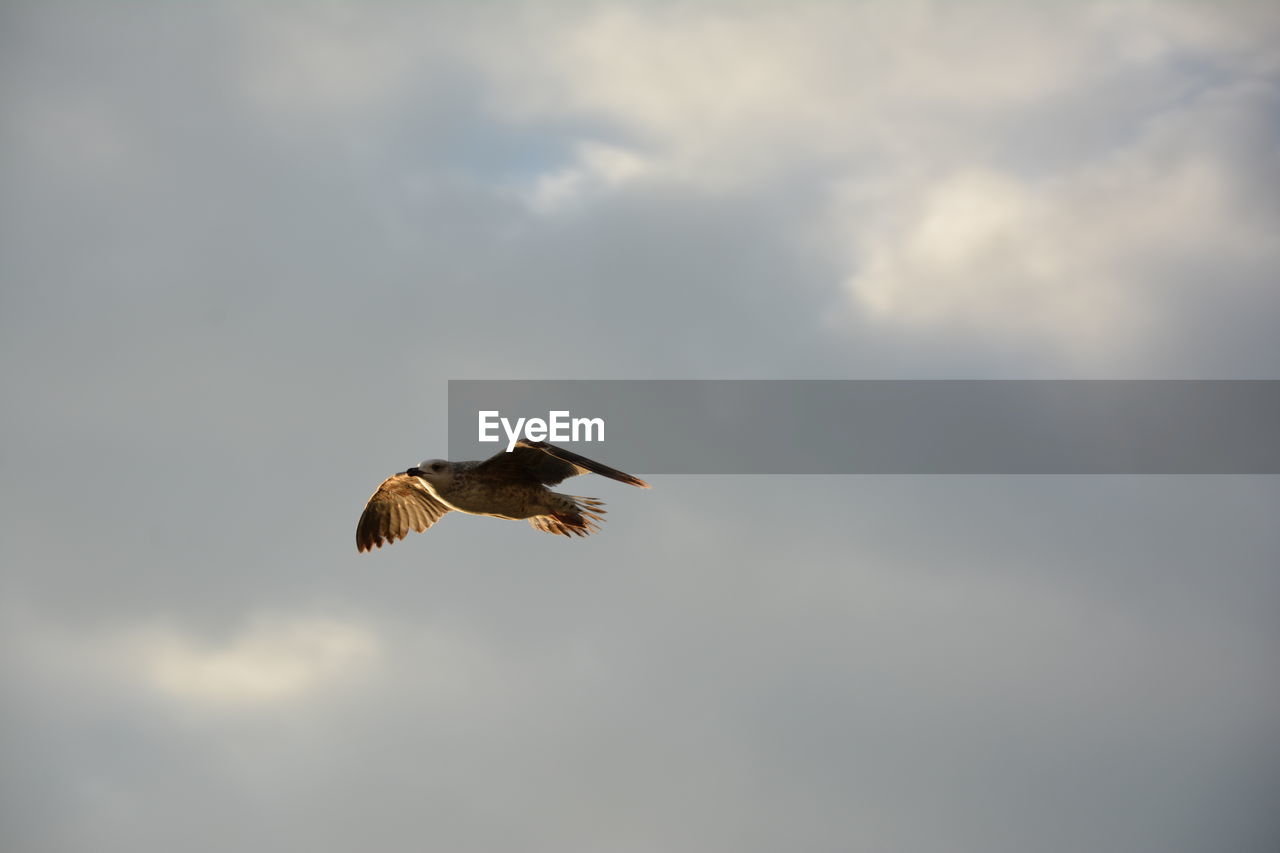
(414,472)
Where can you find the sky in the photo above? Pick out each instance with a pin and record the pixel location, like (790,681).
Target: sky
(245,245)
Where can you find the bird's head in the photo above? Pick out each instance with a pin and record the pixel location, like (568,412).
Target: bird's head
(437,472)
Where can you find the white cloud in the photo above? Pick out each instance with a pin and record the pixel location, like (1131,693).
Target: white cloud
(1040,176)
(1087,259)
(726,99)
(270,659)
(598,169)
(985,173)
(1028,175)
(273,659)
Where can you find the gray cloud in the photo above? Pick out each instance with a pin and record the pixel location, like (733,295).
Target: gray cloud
(244,249)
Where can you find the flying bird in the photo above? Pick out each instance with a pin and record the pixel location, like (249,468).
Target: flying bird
(511,485)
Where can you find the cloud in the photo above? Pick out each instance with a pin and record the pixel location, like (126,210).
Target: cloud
(730,98)
(1051,177)
(1083,186)
(270,661)
(248,244)
(598,169)
(1096,259)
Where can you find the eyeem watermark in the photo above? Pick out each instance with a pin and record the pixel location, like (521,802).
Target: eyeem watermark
(559,426)
(917,427)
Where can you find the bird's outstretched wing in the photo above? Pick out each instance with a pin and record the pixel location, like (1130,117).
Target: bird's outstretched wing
(400,503)
(548,465)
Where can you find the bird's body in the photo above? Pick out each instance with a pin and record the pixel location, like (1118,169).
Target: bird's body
(510,485)
(477,494)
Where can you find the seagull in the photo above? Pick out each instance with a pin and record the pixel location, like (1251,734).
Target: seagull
(510,484)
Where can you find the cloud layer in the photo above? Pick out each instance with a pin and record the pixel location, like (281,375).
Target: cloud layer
(244,246)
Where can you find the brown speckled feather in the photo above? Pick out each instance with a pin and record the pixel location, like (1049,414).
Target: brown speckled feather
(583,520)
(401,503)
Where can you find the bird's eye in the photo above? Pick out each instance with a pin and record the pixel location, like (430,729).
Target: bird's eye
(437,467)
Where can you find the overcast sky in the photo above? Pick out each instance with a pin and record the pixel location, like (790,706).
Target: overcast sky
(245,245)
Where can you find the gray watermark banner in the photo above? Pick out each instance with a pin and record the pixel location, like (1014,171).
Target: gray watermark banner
(881,426)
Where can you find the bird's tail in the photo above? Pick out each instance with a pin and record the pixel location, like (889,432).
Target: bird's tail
(582,517)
